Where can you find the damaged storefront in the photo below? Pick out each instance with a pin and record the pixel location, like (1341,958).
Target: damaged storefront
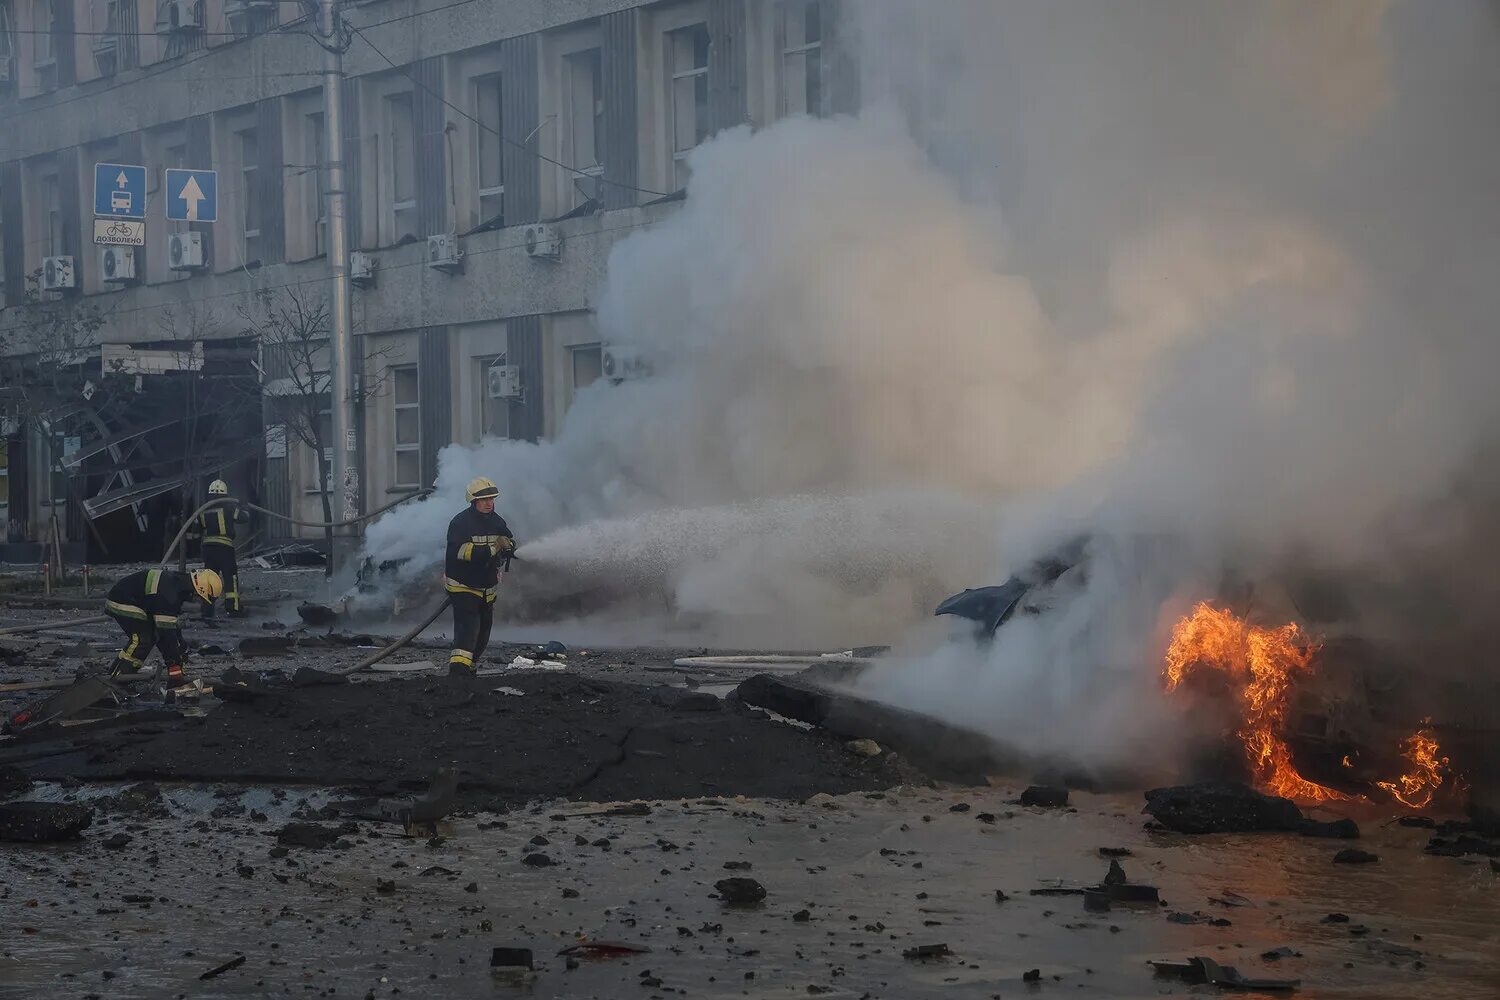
(105,448)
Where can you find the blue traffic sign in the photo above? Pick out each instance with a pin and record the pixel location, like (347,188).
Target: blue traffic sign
(193,195)
(119,191)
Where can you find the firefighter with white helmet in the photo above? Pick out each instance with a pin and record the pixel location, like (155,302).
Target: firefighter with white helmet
(479,543)
(216,529)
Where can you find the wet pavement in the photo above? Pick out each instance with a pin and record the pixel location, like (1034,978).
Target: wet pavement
(852,883)
(877,874)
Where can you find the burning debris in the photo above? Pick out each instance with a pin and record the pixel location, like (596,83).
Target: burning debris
(1214,650)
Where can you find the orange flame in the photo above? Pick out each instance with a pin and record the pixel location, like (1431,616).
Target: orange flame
(1264,662)
(1415,788)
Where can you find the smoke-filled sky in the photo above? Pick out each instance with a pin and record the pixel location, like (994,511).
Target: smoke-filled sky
(1221,272)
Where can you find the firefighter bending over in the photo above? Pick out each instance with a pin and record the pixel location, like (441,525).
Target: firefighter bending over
(216,528)
(479,542)
(147,605)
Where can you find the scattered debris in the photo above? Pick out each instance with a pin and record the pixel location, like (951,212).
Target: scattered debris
(71,701)
(1114,852)
(1221,807)
(1339,829)
(1233,899)
(43,822)
(511,958)
(604,949)
(1031,976)
(1277,954)
(305,677)
(13,781)
(233,963)
(923,952)
(118,841)
(538,861)
(313,836)
(418,816)
(1336,918)
(1046,796)
(267,645)
(317,614)
(740,891)
(1199,971)
(1354,856)
(1421,822)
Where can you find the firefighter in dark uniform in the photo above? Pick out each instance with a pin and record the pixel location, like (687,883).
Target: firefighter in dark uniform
(147,606)
(479,543)
(216,527)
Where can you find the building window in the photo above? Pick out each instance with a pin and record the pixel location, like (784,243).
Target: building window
(687,95)
(583,107)
(249,153)
(587,362)
(44,46)
(494,411)
(317,186)
(489,149)
(52,224)
(799,34)
(7,53)
(403,166)
(407,393)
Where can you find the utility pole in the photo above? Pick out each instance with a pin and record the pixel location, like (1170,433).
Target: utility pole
(341,344)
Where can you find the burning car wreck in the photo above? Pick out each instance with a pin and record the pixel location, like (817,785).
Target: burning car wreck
(1315,713)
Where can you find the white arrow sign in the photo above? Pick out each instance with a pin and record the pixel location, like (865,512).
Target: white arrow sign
(122,180)
(192,194)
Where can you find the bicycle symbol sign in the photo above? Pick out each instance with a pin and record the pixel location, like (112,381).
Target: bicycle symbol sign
(119,233)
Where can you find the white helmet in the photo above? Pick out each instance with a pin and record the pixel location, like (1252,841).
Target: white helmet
(218,488)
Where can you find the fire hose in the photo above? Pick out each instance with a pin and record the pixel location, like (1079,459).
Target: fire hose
(224,501)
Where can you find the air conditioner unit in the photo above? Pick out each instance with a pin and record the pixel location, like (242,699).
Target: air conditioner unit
(117,264)
(57,273)
(173,16)
(444,253)
(504,381)
(619,362)
(185,251)
(543,241)
(362,269)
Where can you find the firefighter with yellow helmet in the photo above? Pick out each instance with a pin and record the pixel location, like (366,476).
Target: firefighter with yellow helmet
(479,544)
(216,528)
(147,606)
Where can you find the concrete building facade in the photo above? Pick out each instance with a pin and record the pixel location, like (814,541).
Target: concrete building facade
(473,120)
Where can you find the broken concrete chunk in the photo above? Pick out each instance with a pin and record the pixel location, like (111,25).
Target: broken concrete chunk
(269,645)
(13,781)
(511,958)
(698,701)
(1046,796)
(1221,807)
(43,822)
(538,861)
(740,891)
(923,952)
(317,614)
(313,677)
(313,836)
(863,748)
(1339,829)
(1354,856)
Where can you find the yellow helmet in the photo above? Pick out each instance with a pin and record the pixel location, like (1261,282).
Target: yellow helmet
(218,488)
(208,585)
(481,489)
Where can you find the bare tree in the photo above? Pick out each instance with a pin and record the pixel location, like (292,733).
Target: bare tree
(292,326)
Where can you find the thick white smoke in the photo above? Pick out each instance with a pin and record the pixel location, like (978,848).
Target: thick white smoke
(1203,280)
